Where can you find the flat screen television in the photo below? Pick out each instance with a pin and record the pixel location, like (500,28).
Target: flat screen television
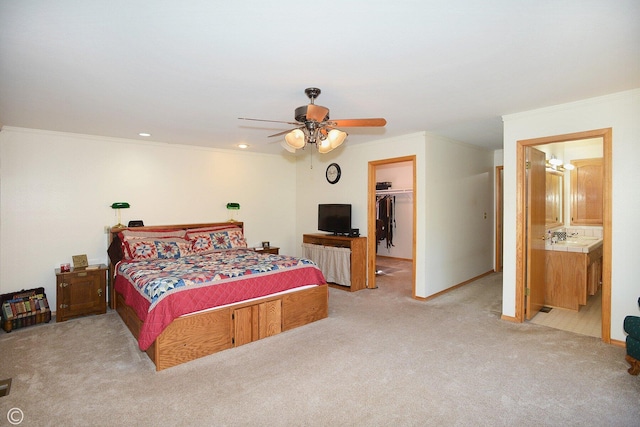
(334,218)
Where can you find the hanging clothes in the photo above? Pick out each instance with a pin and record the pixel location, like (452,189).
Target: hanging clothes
(385,221)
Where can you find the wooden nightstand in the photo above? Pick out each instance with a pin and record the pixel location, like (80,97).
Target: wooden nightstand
(80,292)
(270,250)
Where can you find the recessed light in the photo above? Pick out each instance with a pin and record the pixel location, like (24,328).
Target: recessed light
(144,134)
(243,146)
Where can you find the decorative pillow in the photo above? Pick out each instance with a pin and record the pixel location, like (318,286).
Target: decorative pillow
(237,238)
(146,249)
(212,240)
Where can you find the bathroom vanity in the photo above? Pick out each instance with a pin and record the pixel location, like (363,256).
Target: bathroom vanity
(573,270)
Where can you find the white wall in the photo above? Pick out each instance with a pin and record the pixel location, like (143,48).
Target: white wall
(459,204)
(56,190)
(454,188)
(619,111)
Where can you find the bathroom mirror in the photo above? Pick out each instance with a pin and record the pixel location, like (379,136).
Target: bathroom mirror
(554,199)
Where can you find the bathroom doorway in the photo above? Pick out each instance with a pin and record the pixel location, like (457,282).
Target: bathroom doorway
(522,259)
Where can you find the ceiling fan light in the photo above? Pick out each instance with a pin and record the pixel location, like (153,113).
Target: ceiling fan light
(295,139)
(324,146)
(336,137)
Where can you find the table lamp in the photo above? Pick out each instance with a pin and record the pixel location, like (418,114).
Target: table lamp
(233,207)
(117,206)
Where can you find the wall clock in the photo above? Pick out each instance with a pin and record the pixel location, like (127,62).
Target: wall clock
(333,173)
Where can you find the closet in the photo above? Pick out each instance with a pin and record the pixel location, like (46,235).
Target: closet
(394,210)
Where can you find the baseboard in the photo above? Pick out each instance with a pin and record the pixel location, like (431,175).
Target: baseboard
(466,282)
(618,343)
(393,257)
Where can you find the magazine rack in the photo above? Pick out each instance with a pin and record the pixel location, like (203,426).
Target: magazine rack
(24,308)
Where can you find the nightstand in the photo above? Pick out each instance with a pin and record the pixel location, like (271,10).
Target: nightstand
(80,292)
(270,250)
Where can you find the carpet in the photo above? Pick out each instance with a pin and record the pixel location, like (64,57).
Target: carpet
(380,358)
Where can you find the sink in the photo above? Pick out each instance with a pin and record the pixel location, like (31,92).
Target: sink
(582,240)
(578,243)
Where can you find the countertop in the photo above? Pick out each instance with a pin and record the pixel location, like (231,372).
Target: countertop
(584,244)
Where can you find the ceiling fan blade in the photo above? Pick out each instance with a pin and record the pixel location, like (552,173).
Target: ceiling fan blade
(270,121)
(346,123)
(317,112)
(284,132)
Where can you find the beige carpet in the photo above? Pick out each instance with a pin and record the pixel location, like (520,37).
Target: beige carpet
(381,358)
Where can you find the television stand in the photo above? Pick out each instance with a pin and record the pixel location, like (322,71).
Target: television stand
(358,258)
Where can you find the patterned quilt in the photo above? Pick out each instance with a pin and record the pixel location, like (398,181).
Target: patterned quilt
(161,290)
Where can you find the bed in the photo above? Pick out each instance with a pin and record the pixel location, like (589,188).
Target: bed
(188,291)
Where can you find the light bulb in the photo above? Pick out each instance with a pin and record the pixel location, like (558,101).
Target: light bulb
(295,139)
(336,137)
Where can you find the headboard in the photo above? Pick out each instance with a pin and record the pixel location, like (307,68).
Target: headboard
(115,245)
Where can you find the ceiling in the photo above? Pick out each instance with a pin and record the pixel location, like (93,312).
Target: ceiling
(185,71)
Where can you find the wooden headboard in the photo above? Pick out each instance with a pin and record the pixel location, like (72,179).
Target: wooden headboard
(115,245)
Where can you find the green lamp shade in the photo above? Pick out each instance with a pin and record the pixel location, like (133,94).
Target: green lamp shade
(120,205)
(234,206)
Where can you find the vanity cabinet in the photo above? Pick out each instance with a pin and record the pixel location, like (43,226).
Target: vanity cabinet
(586,192)
(594,271)
(571,277)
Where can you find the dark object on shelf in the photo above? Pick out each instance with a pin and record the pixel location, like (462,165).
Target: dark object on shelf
(383,185)
(24,308)
(136,223)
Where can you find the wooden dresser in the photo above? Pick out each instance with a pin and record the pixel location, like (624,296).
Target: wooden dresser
(358,247)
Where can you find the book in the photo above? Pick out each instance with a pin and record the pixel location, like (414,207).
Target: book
(21,308)
(7,313)
(13,308)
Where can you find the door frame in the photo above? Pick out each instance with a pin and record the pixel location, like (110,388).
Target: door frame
(498,261)
(371,220)
(606,135)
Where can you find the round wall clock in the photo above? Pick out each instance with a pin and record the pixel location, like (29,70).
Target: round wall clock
(333,173)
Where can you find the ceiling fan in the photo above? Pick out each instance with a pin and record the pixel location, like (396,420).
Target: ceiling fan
(313,126)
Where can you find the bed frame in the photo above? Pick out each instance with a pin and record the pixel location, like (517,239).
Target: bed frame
(193,336)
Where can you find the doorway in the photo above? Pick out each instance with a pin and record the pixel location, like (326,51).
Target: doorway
(408,193)
(521,221)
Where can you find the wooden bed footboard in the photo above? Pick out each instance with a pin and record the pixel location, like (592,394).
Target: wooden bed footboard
(193,336)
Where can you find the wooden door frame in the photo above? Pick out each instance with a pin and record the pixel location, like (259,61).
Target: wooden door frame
(606,135)
(371,220)
(498,261)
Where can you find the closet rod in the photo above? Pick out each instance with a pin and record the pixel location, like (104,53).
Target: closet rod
(399,191)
